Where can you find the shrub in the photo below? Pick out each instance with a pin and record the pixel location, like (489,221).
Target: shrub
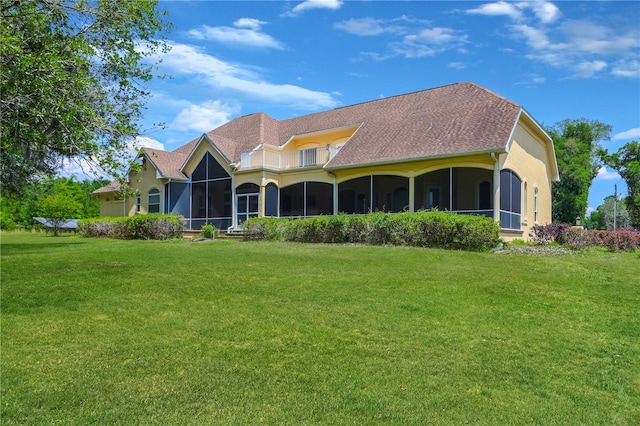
(562,233)
(264,228)
(619,240)
(210,231)
(424,229)
(140,227)
(545,234)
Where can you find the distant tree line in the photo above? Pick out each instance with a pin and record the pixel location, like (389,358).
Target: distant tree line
(61,196)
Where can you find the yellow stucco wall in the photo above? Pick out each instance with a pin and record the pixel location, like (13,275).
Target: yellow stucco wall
(111,205)
(529,158)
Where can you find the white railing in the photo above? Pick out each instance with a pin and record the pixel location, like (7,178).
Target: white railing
(275,160)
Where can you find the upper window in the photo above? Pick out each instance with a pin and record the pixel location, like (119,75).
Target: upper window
(153,205)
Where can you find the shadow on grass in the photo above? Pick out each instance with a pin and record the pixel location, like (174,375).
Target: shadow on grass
(45,244)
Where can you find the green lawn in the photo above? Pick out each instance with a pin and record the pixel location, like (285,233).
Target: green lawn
(227,332)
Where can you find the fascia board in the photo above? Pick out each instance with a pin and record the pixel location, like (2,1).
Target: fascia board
(412,159)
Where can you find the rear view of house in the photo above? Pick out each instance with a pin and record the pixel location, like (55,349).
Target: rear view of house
(458,148)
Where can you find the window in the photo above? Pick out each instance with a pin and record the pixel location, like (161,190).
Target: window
(535,204)
(211,201)
(138,203)
(510,200)
(525,194)
(271,200)
(153,205)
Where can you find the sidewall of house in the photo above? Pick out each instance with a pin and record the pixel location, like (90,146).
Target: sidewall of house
(111,205)
(528,157)
(143,182)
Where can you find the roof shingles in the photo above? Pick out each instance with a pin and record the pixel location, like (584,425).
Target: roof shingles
(445,121)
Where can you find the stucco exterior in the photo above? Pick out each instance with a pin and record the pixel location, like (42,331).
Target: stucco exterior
(394,155)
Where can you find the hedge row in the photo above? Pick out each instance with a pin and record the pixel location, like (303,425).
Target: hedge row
(138,227)
(562,233)
(424,229)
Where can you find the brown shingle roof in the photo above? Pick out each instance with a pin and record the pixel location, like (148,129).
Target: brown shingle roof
(108,188)
(446,121)
(449,120)
(168,163)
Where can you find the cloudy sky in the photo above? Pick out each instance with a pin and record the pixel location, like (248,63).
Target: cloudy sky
(560,60)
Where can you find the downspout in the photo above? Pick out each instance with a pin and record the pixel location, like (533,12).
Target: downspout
(496,187)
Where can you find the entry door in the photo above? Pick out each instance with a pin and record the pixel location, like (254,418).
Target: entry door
(247,206)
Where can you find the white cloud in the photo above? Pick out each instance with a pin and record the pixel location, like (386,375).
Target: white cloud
(83,168)
(254,24)
(627,69)
(589,37)
(204,117)
(414,38)
(315,4)
(363,26)
(627,135)
(545,11)
(245,32)
(187,61)
(501,8)
(457,65)
(605,174)
(147,142)
(587,69)
(582,47)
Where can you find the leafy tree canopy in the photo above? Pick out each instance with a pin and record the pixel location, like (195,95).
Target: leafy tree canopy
(603,217)
(578,154)
(71,73)
(627,163)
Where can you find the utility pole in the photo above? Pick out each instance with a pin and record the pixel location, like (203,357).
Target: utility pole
(615,207)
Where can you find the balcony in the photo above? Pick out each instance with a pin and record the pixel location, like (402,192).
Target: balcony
(288,160)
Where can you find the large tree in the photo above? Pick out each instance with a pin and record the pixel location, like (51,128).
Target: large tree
(72,75)
(627,163)
(603,217)
(578,154)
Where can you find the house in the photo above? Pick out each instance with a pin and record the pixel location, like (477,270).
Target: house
(458,148)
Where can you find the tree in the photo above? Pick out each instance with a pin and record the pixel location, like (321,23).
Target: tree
(627,163)
(578,156)
(603,216)
(58,208)
(71,73)
(17,210)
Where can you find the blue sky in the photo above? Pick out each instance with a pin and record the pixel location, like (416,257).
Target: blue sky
(571,59)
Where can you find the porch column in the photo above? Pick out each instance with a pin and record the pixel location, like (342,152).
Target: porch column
(335,195)
(450,189)
(262,197)
(412,198)
(496,188)
(234,217)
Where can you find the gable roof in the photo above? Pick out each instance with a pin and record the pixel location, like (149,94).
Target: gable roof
(446,121)
(450,120)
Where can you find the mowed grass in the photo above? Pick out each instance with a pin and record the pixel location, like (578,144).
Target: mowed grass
(227,332)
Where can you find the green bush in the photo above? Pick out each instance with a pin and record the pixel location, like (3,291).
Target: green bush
(210,231)
(424,229)
(138,227)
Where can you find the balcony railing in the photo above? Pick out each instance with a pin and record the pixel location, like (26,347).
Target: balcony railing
(275,160)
